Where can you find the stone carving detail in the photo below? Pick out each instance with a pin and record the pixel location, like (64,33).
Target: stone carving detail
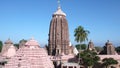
(58,34)
(109,49)
(91,45)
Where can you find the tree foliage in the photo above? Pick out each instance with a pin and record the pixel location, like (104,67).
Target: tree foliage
(117,49)
(23,40)
(104,51)
(89,58)
(81,34)
(21,43)
(1,44)
(83,46)
(109,61)
(98,48)
(17,45)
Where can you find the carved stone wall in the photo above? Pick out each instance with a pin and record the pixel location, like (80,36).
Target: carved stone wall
(58,34)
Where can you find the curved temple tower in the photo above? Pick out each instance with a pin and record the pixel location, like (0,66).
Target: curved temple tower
(58,34)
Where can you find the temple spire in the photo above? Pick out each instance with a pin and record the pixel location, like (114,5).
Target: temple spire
(58,33)
(59,11)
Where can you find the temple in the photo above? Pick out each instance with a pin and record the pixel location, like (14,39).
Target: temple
(30,56)
(91,45)
(109,49)
(58,54)
(8,49)
(58,34)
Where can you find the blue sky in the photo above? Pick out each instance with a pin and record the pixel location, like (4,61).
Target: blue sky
(23,19)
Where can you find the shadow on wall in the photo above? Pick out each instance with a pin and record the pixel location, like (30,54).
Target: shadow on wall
(75,60)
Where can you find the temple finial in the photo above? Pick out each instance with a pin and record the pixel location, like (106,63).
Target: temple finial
(58,4)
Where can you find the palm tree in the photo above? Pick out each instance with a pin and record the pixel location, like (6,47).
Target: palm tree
(81,35)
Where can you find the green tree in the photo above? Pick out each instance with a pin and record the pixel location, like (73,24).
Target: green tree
(22,43)
(23,40)
(83,46)
(109,61)
(81,35)
(89,58)
(17,45)
(117,49)
(1,44)
(98,48)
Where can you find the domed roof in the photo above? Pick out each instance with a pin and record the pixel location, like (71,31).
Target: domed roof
(30,58)
(32,42)
(8,41)
(11,51)
(59,12)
